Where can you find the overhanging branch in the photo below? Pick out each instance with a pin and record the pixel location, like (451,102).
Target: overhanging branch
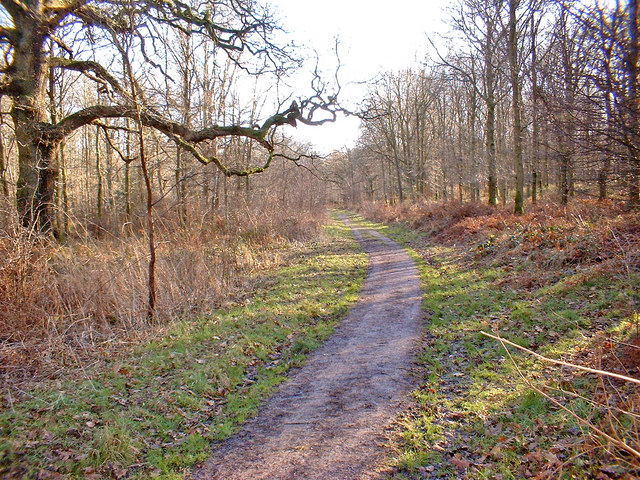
(85,66)
(218,163)
(88,115)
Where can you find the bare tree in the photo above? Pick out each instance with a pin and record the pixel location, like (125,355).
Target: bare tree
(632,103)
(479,23)
(238,27)
(516,101)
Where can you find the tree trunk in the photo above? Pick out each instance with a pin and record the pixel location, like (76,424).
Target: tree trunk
(37,171)
(504,192)
(491,152)
(109,176)
(151,279)
(566,128)
(63,192)
(99,193)
(399,179)
(535,127)
(127,175)
(180,187)
(37,176)
(4,185)
(384,183)
(633,74)
(634,179)
(516,107)
(565,160)
(534,187)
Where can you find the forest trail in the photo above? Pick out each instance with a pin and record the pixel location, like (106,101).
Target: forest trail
(332,418)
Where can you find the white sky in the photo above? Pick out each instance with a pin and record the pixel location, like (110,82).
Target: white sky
(375,36)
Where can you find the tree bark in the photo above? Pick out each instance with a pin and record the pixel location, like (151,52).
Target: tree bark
(535,127)
(633,82)
(565,160)
(516,108)
(136,97)
(4,185)
(37,171)
(491,152)
(566,127)
(99,193)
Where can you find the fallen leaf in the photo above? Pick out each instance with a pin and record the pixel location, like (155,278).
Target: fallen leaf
(495,451)
(90,473)
(459,462)
(551,458)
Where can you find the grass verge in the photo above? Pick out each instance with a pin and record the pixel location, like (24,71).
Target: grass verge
(156,413)
(474,416)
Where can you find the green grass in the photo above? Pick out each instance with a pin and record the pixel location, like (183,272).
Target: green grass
(472,405)
(157,412)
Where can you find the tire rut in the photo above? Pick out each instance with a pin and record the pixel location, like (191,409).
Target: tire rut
(333,417)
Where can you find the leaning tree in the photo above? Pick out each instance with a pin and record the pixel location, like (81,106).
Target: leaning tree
(37,36)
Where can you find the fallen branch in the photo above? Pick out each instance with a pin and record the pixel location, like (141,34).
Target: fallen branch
(560,362)
(615,441)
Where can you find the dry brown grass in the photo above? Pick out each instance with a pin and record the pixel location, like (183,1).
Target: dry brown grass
(66,306)
(585,233)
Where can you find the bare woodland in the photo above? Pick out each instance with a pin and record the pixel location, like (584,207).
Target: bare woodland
(534,97)
(129,95)
(148,172)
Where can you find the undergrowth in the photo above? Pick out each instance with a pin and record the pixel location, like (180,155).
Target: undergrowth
(155,412)
(562,283)
(64,306)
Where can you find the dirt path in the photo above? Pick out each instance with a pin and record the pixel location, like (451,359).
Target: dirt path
(331,419)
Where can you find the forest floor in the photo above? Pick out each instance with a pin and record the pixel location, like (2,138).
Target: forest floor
(154,412)
(562,282)
(332,417)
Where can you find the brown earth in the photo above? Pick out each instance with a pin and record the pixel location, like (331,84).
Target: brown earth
(332,419)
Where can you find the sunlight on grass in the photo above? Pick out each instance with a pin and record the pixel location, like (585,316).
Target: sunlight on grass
(157,412)
(472,407)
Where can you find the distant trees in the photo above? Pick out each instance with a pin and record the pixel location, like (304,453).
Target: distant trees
(550,87)
(398,132)
(515,79)
(532,94)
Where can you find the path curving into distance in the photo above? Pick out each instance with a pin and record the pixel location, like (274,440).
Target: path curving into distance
(331,419)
